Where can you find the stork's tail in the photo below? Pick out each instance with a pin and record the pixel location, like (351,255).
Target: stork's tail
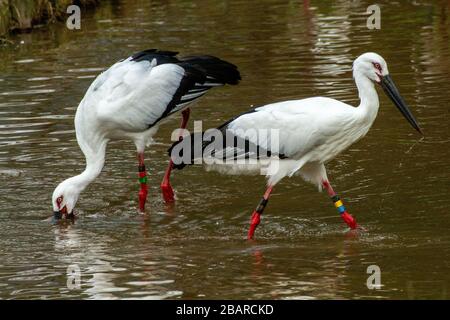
(217,71)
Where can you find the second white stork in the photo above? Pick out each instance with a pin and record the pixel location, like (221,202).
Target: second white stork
(310,132)
(129,101)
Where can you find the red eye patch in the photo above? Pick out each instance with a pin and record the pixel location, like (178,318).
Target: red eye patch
(58,201)
(377,66)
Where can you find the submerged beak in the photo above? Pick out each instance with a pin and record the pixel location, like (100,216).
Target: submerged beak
(391,90)
(59,214)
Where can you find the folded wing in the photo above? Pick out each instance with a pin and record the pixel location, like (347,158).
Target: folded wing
(136,93)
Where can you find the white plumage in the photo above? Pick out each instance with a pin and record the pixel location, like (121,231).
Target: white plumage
(305,135)
(311,131)
(129,101)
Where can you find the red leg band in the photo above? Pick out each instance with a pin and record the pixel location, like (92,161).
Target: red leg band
(349,220)
(254,222)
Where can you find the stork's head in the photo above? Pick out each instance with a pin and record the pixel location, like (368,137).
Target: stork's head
(371,65)
(65,197)
(374,67)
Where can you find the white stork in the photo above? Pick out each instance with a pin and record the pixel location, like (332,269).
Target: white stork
(129,101)
(311,132)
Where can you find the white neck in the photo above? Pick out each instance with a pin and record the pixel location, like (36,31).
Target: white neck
(95,160)
(94,165)
(368,107)
(93,144)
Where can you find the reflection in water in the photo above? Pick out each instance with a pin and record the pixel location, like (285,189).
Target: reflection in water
(100,284)
(102,276)
(395,186)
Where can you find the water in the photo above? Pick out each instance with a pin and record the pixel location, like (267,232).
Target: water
(396,185)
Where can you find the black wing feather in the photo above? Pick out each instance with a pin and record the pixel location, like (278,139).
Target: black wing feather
(202,73)
(241,148)
(161,56)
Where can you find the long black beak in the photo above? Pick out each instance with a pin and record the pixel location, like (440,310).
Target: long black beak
(391,90)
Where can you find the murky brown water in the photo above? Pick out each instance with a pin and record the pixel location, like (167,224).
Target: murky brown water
(397,187)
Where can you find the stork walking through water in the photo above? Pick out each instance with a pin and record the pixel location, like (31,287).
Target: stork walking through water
(311,132)
(130,100)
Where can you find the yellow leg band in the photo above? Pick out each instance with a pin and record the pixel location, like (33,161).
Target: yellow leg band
(338,204)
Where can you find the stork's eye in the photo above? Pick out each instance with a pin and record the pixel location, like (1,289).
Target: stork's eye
(59,200)
(377,66)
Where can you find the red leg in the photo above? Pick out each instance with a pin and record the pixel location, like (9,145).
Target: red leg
(143,182)
(166,188)
(256,215)
(348,219)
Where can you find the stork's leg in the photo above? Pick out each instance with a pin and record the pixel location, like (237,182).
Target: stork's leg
(256,216)
(348,219)
(166,188)
(143,182)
